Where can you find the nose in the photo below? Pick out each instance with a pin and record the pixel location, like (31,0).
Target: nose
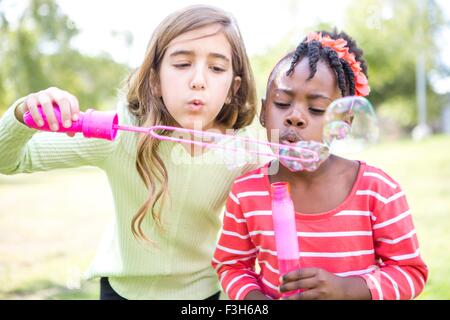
(198,81)
(295,118)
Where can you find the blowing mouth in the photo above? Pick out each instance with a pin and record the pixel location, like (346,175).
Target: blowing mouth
(197,102)
(195,105)
(290,137)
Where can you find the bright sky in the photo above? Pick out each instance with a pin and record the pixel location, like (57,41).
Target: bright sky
(262,22)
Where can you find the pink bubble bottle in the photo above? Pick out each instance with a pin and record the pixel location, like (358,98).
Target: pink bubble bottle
(286,240)
(92,123)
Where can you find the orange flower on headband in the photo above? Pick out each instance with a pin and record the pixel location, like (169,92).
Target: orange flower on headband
(340,47)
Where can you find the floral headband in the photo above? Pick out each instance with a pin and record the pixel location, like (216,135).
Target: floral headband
(340,46)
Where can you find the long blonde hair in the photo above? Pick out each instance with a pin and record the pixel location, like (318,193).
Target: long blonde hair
(148,108)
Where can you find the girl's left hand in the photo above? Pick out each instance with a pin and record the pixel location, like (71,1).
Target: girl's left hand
(317,284)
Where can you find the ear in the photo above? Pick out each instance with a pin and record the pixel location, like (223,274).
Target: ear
(236,84)
(262,114)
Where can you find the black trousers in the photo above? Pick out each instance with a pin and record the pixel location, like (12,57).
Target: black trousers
(108,293)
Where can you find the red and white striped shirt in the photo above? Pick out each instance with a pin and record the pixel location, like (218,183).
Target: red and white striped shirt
(371,234)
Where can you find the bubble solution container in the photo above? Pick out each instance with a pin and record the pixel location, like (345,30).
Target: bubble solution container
(286,240)
(92,123)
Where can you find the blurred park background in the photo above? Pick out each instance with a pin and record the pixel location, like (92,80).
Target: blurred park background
(48,236)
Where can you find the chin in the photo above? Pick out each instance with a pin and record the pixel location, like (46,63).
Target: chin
(195,125)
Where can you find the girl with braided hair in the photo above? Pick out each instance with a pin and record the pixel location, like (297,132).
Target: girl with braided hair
(354,228)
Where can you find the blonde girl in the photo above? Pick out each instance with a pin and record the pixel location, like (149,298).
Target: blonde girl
(195,74)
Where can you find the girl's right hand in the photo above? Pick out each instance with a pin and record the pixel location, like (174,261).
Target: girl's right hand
(68,105)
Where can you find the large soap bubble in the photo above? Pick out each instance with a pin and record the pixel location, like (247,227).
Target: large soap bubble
(350,125)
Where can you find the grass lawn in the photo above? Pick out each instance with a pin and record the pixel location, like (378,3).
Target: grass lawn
(423,171)
(51,222)
(50,225)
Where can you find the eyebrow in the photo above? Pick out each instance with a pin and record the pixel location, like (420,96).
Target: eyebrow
(309,97)
(191,53)
(318,96)
(286,91)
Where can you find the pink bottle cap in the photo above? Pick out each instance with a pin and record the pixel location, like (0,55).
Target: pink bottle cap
(280,190)
(100,124)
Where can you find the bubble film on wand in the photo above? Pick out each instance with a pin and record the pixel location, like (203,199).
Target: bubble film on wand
(298,153)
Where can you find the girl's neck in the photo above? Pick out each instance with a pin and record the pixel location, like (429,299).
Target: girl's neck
(322,190)
(307,177)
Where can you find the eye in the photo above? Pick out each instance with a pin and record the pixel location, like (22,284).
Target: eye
(182,65)
(316,111)
(217,69)
(281,105)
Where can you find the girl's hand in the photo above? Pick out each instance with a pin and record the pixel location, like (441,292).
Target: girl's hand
(68,105)
(256,295)
(320,284)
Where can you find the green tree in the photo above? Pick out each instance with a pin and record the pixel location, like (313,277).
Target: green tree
(390,33)
(37,53)
(387,30)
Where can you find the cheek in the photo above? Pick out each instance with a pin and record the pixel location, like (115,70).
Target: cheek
(273,134)
(220,85)
(167,81)
(317,130)
(274,117)
(274,121)
(169,96)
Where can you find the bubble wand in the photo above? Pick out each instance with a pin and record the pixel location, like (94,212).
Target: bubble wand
(104,125)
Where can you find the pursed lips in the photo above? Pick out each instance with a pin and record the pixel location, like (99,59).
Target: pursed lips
(290,138)
(195,104)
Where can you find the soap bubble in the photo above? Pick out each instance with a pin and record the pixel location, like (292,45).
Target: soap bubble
(315,149)
(350,125)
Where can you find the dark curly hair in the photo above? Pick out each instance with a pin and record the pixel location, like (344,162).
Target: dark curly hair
(315,52)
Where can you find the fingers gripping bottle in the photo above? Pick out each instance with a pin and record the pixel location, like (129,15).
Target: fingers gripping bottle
(92,123)
(286,240)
